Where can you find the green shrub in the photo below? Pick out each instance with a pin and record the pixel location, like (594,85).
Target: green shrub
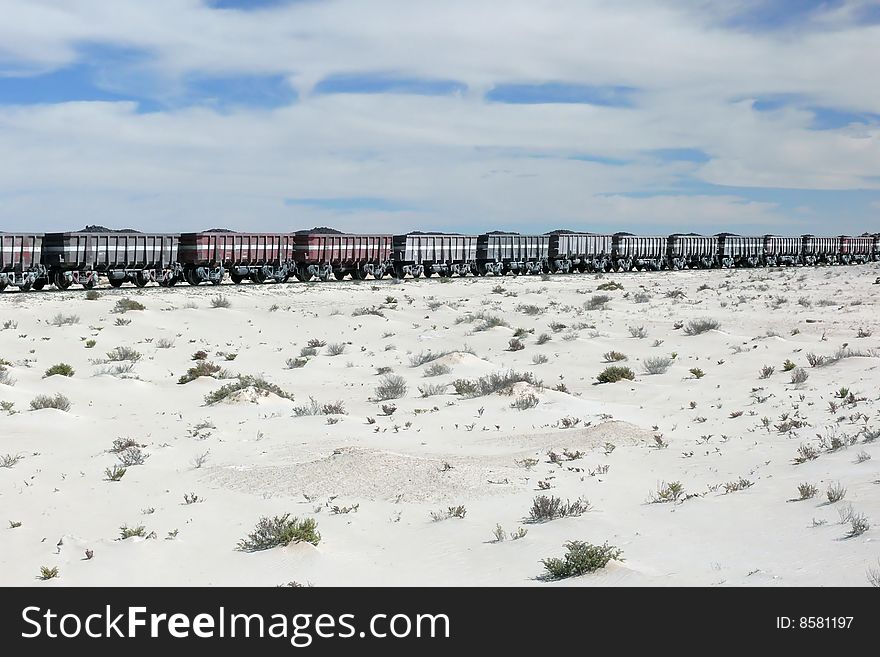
(202,368)
(614,374)
(61,368)
(581,558)
(57,401)
(126,304)
(242,382)
(280,531)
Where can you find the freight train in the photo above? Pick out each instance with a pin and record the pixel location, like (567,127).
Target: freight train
(32,261)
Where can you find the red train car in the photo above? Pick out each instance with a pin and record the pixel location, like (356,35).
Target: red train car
(21,261)
(260,257)
(320,255)
(856,249)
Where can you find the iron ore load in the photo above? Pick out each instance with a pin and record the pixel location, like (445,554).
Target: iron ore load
(35,260)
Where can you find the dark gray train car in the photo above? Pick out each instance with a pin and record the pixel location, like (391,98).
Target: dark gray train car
(581,252)
(692,251)
(820,250)
(741,250)
(434,253)
(642,252)
(500,254)
(81,257)
(779,251)
(21,261)
(259,257)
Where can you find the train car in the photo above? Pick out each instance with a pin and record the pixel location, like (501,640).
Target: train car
(434,253)
(320,255)
(875,251)
(741,250)
(21,261)
(857,250)
(259,257)
(580,251)
(692,251)
(81,257)
(640,252)
(499,254)
(820,250)
(780,251)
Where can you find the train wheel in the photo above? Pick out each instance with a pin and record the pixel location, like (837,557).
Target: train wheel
(236,278)
(190,277)
(358,274)
(258,276)
(39,284)
(141,279)
(60,281)
(89,284)
(25,287)
(116,282)
(338,274)
(303,276)
(216,281)
(3,286)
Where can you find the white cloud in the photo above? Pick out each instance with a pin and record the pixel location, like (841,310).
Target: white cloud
(451,161)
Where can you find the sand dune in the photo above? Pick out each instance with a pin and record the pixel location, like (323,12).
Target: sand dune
(306,434)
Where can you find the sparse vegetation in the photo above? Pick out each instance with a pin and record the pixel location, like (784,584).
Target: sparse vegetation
(597,302)
(62,369)
(280,531)
(64,320)
(614,374)
(807,491)
(335,349)
(580,559)
(202,368)
(667,492)
(835,492)
(57,401)
(492,383)
(657,364)
(125,305)
(546,508)
(220,301)
(242,382)
(799,375)
(392,386)
(698,326)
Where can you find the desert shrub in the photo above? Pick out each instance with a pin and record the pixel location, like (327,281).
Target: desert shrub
(427,356)
(9,460)
(64,320)
(807,491)
(114,473)
(280,531)
(220,301)
(614,374)
(698,326)
(372,310)
(613,356)
(740,484)
(131,456)
(641,297)
(799,375)
(128,532)
(392,386)
(61,368)
(431,389)
(529,309)
(580,559)
(437,369)
(656,364)
(47,573)
(450,512)
(242,382)
(92,295)
(123,353)
(296,363)
(515,344)
(835,492)
(858,525)
(491,383)
(557,327)
(540,359)
(90,343)
(525,401)
(315,343)
(546,508)
(483,321)
(335,349)
(201,354)
(202,368)
(121,444)
(544,338)
(125,304)
(638,332)
(164,343)
(670,492)
(57,401)
(697,372)
(767,371)
(609,286)
(788,365)
(805,453)
(597,302)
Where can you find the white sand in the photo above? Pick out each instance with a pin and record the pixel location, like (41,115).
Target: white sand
(265,461)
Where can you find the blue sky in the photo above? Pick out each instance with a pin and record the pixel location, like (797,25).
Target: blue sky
(751,115)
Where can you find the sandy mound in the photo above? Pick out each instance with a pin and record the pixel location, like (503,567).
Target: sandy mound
(251,395)
(370,474)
